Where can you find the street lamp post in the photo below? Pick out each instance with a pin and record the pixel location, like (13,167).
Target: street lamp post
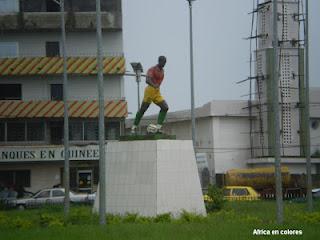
(193,121)
(138,69)
(66,171)
(275,108)
(307,113)
(102,154)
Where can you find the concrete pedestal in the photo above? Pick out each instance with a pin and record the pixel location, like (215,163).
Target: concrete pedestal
(151,178)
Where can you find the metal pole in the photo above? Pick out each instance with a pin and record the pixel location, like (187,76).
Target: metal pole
(66,120)
(193,121)
(275,107)
(138,78)
(307,114)
(102,169)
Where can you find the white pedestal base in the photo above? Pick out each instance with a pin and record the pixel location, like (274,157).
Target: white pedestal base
(151,178)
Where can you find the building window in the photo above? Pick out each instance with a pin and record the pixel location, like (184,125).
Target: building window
(76,131)
(89,6)
(112,130)
(33,6)
(2,131)
(52,49)
(82,5)
(7,6)
(18,178)
(315,124)
(91,131)
(56,132)
(16,131)
(8,49)
(10,92)
(56,92)
(22,131)
(35,131)
(52,6)
(22,178)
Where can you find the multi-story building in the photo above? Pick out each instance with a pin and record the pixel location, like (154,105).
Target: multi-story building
(31,106)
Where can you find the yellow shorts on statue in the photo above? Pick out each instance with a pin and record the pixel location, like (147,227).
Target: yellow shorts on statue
(152,94)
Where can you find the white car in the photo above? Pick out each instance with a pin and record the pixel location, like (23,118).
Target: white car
(52,196)
(316,192)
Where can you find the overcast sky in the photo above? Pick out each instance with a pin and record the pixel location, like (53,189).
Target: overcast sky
(221,56)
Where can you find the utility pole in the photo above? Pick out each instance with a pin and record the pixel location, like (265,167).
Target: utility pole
(66,171)
(102,160)
(275,109)
(307,113)
(193,120)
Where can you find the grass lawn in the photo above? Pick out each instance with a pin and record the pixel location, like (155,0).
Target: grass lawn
(236,221)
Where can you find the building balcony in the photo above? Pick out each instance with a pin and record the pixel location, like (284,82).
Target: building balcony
(13,109)
(51,21)
(27,66)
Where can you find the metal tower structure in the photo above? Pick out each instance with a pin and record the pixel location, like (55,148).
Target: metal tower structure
(291,79)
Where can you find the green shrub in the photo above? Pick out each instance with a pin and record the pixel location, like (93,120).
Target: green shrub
(163,218)
(311,218)
(3,219)
(187,217)
(145,220)
(20,223)
(3,205)
(130,218)
(113,219)
(80,216)
(216,201)
(250,219)
(49,220)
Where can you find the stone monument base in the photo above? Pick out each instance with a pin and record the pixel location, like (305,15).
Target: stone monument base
(151,178)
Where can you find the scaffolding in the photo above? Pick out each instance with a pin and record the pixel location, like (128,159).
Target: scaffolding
(291,78)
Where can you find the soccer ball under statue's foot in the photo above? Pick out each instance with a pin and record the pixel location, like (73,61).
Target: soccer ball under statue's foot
(153,128)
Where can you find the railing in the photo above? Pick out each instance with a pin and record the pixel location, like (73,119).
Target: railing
(76,53)
(20,66)
(288,193)
(28,21)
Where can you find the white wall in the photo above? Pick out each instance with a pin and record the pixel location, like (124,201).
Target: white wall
(182,129)
(78,43)
(224,139)
(205,143)
(80,88)
(231,143)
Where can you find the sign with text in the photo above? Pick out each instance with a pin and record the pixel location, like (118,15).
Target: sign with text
(39,153)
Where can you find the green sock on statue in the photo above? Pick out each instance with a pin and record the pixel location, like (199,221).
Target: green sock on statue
(138,118)
(161,117)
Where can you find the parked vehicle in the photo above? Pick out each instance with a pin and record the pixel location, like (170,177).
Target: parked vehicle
(316,193)
(263,181)
(51,196)
(236,193)
(257,178)
(240,193)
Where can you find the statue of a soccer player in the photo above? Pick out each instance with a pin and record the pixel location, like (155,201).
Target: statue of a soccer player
(152,93)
